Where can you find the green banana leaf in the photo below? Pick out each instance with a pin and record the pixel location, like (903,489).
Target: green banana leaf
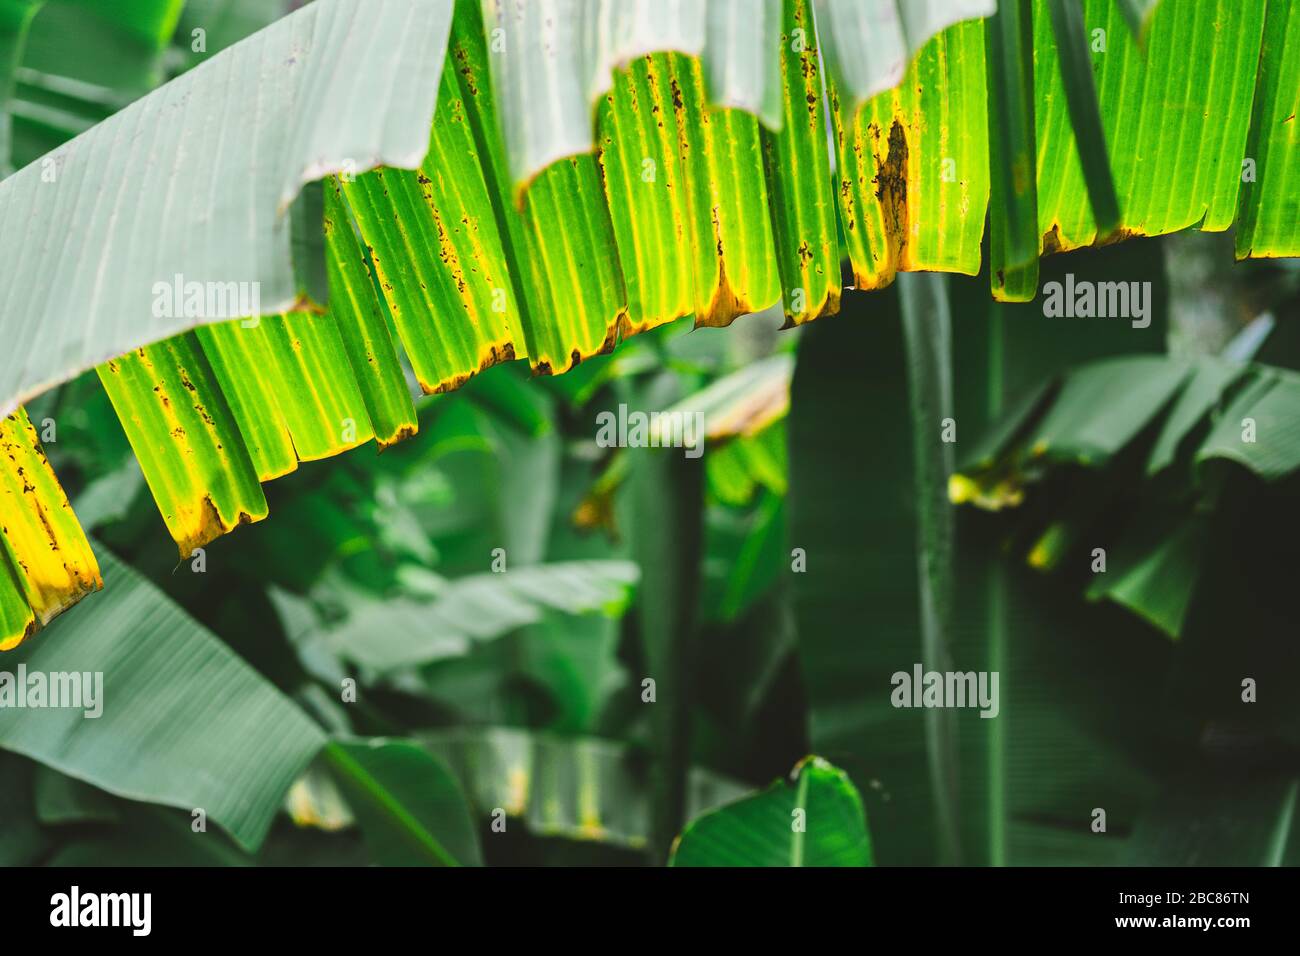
(815,818)
(388,635)
(409,807)
(160,676)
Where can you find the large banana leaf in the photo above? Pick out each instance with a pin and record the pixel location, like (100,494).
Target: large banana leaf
(375,64)
(413,37)
(882,230)
(168,681)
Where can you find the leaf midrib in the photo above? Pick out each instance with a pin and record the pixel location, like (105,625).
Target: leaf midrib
(392,808)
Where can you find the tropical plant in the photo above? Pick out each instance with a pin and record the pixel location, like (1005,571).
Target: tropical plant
(264,260)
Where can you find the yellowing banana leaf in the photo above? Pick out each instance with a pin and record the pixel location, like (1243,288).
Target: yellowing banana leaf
(578,299)
(243,369)
(46,564)
(639,141)
(731,241)
(357,313)
(317,395)
(687,196)
(477,250)
(568,299)
(297,387)
(913,164)
(185,437)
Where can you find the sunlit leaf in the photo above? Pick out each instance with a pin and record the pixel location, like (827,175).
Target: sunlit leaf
(801,189)
(913,164)
(185,437)
(1269,212)
(1175,118)
(869,42)
(46,564)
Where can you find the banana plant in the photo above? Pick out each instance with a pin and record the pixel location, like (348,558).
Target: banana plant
(453,224)
(259,258)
